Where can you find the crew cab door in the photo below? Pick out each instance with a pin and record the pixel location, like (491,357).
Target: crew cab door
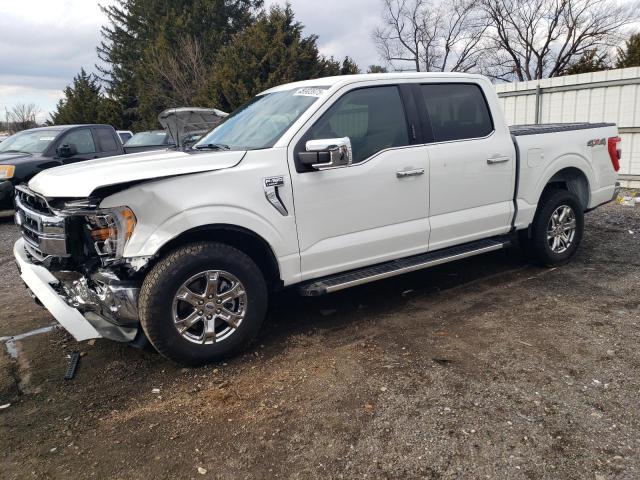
(472,164)
(374,209)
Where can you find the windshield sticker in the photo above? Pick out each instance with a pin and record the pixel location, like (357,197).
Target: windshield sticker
(44,139)
(308,92)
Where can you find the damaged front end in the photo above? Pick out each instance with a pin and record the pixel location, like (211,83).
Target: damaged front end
(74,250)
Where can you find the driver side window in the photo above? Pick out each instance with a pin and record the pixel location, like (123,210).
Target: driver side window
(81,139)
(373,118)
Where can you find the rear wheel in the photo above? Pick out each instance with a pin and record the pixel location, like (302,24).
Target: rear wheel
(202,302)
(557,228)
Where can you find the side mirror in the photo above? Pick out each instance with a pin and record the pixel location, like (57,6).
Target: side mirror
(66,150)
(327,153)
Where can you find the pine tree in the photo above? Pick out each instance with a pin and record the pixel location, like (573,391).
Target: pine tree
(376,69)
(83,102)
(140,30)
(271,51)
(630,55)
(349,67)
(590,61)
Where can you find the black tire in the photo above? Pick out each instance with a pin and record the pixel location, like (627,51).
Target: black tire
(161,285)
(538,245)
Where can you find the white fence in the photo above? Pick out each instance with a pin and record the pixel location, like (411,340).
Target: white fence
(608,96)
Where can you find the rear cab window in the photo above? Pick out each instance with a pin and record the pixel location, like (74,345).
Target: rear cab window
(457,111)
(106,140)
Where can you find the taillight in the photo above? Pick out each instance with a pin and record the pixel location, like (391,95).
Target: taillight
(614,152)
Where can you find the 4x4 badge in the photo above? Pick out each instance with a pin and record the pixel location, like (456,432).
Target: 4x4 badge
(270,185)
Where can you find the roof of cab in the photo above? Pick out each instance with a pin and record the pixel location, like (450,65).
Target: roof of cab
(67,127)
(362,77)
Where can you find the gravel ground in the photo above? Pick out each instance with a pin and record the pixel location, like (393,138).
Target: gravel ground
(486,368)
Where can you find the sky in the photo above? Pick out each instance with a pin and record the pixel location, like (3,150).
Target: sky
(44,43)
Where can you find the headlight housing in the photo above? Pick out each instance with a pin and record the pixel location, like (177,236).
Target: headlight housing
(7,171)
(110,230)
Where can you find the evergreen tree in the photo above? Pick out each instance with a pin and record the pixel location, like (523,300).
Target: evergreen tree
(590,61)
(630,55)
(271,51)
(349,67)
(138,30)
(83,102)
(376,69)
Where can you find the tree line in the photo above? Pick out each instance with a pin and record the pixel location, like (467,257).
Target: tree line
(219,53)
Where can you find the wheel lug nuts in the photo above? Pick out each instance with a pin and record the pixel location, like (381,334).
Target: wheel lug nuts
(218,311)
(200,302)
(200,312)
(218,301)
(210,296)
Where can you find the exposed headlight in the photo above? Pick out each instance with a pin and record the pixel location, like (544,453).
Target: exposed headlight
(7,171)
(110,230)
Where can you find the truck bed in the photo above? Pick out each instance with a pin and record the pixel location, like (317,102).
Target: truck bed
(519,130)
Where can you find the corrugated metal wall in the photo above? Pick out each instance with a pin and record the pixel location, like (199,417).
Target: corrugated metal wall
(609,96)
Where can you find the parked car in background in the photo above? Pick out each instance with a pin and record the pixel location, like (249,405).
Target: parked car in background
(124,135)
(28,152)
(189,124)
(3,138)
(149,140)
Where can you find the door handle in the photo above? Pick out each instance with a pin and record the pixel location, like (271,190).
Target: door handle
(497,159)
(410,173)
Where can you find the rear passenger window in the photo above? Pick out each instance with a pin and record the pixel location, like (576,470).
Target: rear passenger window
(372,118)
(106,140)
(457,111)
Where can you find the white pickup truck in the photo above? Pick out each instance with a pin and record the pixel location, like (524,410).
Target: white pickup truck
(322,185)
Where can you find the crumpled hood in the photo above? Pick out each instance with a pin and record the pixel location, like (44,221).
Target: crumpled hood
(81,179)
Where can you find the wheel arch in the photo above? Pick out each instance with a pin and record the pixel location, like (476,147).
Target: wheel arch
(572,179)
(245,240)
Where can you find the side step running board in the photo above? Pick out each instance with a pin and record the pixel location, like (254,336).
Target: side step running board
(352,278)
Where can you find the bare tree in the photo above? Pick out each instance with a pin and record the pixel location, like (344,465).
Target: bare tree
(22,116)
(532,39)
(183,68)
(432,35)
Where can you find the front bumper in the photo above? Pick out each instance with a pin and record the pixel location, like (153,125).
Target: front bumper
(40,281)
(110,312)
(6,193)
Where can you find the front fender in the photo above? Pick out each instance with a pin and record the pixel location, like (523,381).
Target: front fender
(187,220)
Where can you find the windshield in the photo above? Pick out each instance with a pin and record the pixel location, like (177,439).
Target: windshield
(148,138)
(260,122)
(29,141)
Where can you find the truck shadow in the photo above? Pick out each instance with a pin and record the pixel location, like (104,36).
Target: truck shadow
(290,315)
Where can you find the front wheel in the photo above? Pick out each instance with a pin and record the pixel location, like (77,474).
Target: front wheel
(202,302)
(557,228)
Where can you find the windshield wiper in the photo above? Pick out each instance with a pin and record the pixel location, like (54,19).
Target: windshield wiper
(212,146)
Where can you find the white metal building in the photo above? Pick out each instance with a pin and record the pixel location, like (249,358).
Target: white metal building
(608,96)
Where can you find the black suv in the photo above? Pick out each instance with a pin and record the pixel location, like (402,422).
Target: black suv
(27,153)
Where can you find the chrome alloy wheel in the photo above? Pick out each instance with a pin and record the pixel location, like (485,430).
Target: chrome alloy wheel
(561,229)
(209,307)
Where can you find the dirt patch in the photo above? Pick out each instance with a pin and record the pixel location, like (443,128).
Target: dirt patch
(486,368)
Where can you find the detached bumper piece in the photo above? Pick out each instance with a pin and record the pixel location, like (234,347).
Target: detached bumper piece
(102,306)
(40,281)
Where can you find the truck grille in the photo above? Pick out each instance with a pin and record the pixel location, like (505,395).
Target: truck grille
(44,232)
